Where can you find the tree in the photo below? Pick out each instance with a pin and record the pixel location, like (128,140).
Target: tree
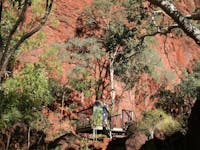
(179,102)
(24,94)
(109,23)
(22,98)
(11,37)
(87,76)
(158,120)
(181,20)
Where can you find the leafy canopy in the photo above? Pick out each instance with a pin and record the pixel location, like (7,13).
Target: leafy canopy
(23,95)
(158,120)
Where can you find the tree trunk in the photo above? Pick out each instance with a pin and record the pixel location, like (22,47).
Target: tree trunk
(8,140)
(29,135)
(3,66)
(63,101)
(82,97)
(8,50)
(179,18)
(112,85)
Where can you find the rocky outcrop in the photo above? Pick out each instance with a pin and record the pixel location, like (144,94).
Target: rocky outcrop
(178,141)
(135,141)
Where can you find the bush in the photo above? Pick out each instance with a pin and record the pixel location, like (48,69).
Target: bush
(23,95)
(158,120)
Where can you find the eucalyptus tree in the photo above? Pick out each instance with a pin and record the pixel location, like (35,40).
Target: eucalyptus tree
(14,30)
(117,40)
(121,29)
(182,21)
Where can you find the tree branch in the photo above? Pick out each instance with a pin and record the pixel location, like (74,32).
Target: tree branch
(162,31)
(16,25)
(1,41)
(1,8)
(9,53)
(193,16)
(179,18)
(36,29)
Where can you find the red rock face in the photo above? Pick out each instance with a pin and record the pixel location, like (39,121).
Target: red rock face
(135,141)
(176,53)
(67,13)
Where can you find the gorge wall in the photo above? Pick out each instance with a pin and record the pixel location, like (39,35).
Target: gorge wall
(174,54)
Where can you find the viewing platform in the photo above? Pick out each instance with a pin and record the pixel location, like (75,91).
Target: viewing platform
(98,120)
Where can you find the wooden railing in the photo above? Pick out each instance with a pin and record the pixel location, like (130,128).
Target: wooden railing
(116,121)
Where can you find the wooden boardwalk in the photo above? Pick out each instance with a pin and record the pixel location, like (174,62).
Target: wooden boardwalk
(113,126)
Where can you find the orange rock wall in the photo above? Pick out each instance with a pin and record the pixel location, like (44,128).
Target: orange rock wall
(176,53)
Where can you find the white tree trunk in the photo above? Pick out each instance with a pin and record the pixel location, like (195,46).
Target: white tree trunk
(29,137)
(179,18)
(63,102)
(112,85)
(82,97)
(8,140)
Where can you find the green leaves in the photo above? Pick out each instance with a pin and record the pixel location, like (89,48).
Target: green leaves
(81,81)
(135,11)
(84,49)
(118,35)
(23,94)
(158,120)
(191,82)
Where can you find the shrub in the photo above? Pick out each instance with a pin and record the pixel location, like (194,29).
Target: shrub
(158,120)
(23,95)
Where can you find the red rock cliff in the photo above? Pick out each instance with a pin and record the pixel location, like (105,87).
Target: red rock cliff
(176,53)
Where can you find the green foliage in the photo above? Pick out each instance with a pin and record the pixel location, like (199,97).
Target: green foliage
(37,42)
(179,32)
(51,62)
(119,35)
(169,126)
(84,144)
(36,10)
(39,122)
(9,16)
(84,52)
(129,54)
(144,60)
(103,9)
(55,89)
(24,94)
(179,102)
(153,62)
(129,72)
(81,81)
(118,39)
(158,119)
(17,3)
(192,81)
(54,22)
(85,49)
(8,19)
(134,11)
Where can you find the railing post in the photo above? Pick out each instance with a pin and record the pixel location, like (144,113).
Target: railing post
(94,134)
(123,119)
